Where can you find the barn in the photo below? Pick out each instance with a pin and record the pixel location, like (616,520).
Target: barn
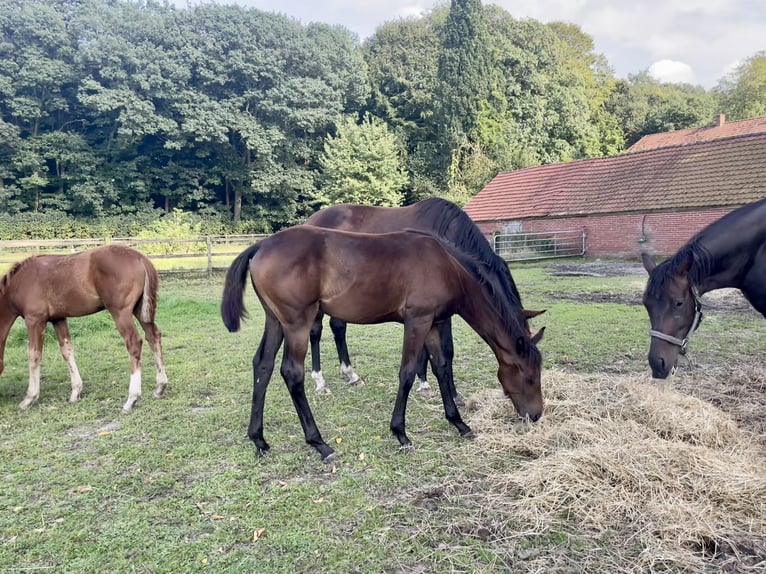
(653,197)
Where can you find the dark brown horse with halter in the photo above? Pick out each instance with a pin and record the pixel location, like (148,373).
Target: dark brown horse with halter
(51,288)
(406,277)
(730,252)
(437,216)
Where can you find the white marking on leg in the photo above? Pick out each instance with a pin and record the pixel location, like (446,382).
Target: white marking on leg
(321,386)
(423,386)
(74,374)
(162,377)
(33,390)
(351,376)
(134,391)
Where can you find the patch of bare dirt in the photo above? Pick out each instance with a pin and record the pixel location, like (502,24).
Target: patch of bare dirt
(719,301)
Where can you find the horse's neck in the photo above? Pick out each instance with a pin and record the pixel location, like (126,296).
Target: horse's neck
(485,321)
(729,252)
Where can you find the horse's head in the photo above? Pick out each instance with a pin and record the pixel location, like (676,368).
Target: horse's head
(520,377)
(673,305)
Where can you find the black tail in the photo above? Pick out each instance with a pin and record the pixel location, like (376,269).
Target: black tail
(233,306)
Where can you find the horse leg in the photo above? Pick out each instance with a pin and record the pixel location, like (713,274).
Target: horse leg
(61,326)
(293,373)
(263,367)
(442,369)
(422,370)
(123,318)
(154,338)
(36,332)
(754,288)
(414,338)
(316,366)
(339,334)
(448,349)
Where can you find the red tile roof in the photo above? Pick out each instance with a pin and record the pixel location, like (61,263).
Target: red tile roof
(724,172)
(721,129)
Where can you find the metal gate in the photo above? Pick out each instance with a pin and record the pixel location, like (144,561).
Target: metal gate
(546,245)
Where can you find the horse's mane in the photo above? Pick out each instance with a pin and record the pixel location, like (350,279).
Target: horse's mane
(487,279)
(5,280)
(696,250)
(447,221)
(701,266)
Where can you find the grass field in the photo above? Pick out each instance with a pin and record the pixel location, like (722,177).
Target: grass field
(622,474)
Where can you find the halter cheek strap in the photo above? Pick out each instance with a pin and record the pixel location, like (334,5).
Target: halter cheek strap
(683,343)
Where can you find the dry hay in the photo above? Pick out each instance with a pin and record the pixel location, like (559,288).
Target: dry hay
(634,476)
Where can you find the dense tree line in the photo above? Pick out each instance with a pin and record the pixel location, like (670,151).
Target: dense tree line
(119,108)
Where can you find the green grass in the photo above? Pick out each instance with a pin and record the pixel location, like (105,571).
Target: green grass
(175,486)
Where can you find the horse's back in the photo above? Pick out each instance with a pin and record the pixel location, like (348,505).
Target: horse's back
(81,283)
(362,218)
(357,277)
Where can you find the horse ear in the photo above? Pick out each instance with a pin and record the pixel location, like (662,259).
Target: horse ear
(685,263)
(648,260)
(530,314)
(538,336)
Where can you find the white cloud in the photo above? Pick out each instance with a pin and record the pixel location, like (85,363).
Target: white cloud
(410,10)
(672,71)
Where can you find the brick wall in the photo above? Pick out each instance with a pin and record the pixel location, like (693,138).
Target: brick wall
(623,235)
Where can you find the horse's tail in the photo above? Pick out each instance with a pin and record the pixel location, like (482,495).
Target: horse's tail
(233,306)
(151,288)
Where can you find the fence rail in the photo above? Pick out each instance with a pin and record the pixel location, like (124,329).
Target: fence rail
(546,245)
(197,255)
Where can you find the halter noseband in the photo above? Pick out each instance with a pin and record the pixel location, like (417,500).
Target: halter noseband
(684,343)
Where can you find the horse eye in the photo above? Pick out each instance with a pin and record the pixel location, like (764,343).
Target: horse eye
(679,304)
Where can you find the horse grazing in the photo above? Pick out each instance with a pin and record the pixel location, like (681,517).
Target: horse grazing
(51,288)
(437,216)
(406,277)
(730,252)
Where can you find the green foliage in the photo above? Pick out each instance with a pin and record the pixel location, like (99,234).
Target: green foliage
(176,225)
(743,92)
(361,164)
(642,105)
(109,110)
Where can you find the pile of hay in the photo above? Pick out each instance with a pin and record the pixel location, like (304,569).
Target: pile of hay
(622,474)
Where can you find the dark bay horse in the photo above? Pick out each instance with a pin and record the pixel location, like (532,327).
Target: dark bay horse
(51,288)
(406,277)
(730,252)
(437,216)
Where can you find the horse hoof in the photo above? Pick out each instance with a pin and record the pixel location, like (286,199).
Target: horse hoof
(260,452)
(129,404)
(26,403)
(470,435)
(330,458)
(159,392)
(323,391)
(356,382)
(459,401)
(407,448)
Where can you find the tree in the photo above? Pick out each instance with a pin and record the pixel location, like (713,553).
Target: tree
(403,59)
(643,105)
(464,73)
(743,92)
(361,163)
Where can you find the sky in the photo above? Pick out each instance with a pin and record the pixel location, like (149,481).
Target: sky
(692,41)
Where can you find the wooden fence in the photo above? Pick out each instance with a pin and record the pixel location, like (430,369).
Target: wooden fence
(198,255)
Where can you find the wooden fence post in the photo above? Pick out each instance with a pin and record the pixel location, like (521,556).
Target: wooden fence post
(209,244)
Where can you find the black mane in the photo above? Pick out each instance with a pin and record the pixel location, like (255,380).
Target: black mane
(699,249)
(447,221)
(486,278)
